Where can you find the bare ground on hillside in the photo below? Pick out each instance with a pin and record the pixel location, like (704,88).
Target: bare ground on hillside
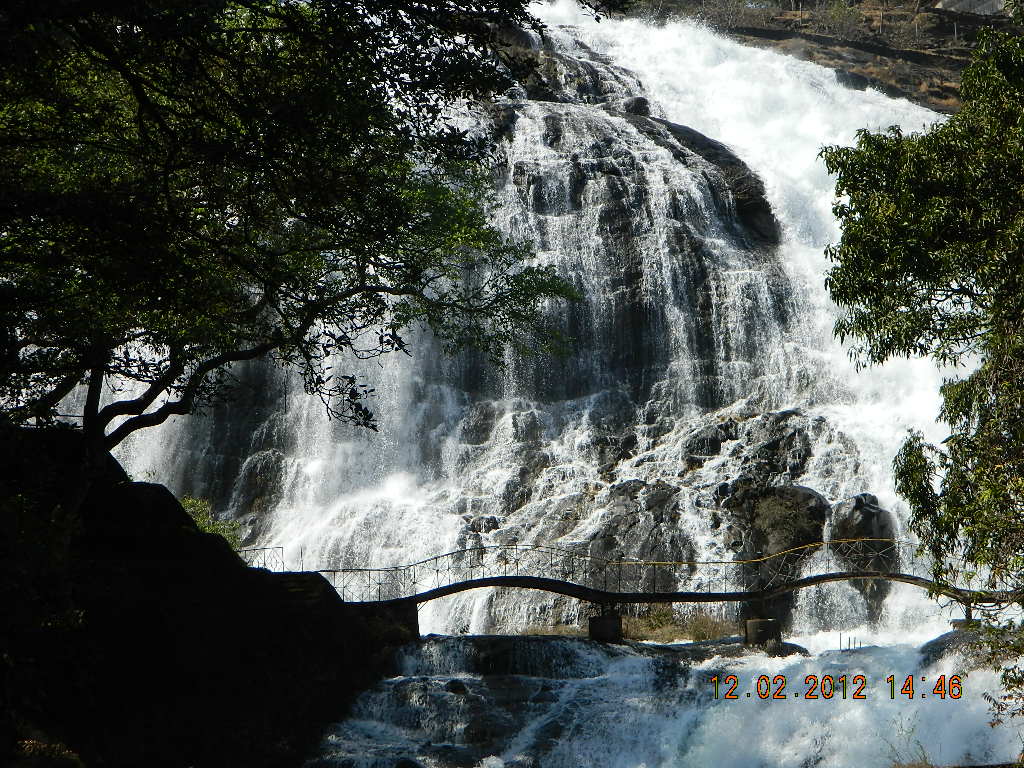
(906,50)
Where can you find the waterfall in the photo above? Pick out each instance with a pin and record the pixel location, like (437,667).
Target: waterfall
(672,177)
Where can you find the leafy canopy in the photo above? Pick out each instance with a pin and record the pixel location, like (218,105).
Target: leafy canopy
(931,262)
(184,185)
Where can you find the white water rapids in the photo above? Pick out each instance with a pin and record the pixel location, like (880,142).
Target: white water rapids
(465,459)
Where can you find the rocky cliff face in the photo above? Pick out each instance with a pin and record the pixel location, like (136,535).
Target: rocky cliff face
(915,51)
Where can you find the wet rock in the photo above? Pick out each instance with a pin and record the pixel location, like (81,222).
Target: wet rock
(777,519)
(628,489)
(601,166)
(852,80)
(518,488)
(609,449)
(550,693)
(477,425)
(860,517)
(553,129)
(787,517)
(656,498)
(503,120)
(483,524)
(959,643)
(526,426)
(456,686)
(780,447)
(638,105)
(707,442)
(549,74)
(745,187)
(260,482)
(769,521)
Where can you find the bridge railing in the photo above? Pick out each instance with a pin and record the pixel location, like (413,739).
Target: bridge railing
(271,558)
(626,575)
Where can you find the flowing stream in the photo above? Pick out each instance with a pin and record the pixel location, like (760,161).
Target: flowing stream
(696,314)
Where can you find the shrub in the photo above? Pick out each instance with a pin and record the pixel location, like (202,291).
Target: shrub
(202,513)
(841,20)
(662,624)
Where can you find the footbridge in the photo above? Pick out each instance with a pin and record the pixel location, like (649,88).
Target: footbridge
(572,573)
(610,581)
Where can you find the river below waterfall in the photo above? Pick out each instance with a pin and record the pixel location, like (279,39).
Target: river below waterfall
(547,702)
(673,177)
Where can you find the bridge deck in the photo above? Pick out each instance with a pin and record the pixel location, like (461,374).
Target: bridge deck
(589,594)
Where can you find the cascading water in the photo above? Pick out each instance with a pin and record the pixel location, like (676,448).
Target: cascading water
(528,702)
(702,357)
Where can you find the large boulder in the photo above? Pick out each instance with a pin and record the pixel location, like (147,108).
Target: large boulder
(769,521)
(962,644)
(746,189)
(587,77)
(783,518)
(860,517)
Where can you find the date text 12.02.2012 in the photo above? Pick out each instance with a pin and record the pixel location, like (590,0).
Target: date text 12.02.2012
(836,687)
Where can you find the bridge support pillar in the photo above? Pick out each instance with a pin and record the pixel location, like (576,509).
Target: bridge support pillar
(606,628)
(396,624)
(761,631)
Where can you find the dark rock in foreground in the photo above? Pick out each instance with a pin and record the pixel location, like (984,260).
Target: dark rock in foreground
(131,638)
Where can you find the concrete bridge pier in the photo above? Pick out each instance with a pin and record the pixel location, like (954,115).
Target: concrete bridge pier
(607,627)
(762,631)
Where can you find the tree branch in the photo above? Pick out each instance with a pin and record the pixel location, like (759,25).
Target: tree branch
(92,401)
(138,405)
(185,404)
(48,401)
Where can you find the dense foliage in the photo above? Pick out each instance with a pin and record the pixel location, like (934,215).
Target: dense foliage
(931,262)
(201,511)
(184,185)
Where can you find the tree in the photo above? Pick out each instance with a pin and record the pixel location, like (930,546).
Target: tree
(186,185)
(931,262)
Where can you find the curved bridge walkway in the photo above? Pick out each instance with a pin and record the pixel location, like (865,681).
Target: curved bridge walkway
(610,582)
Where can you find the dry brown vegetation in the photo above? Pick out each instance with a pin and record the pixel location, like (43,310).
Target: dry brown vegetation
(908,24)
(566,630)
(660,624)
